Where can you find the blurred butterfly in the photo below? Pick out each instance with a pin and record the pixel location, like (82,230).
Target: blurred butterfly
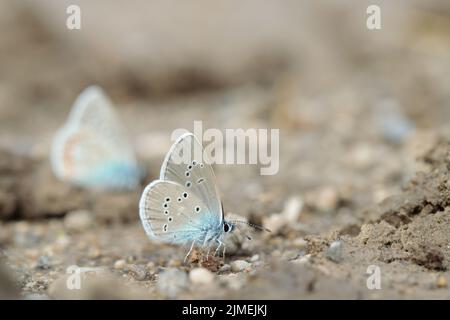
(183,206)
(92,149)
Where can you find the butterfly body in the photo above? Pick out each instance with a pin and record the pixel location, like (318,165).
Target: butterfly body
(183,206)
(92,149)
(204,231)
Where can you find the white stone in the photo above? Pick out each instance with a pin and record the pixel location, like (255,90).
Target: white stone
(120,264)
(78,220)
(289,215)
(334,252)
(239,265)
(201,276)
(171,282)
(327,199)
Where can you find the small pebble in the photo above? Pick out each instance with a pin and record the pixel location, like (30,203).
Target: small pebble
(391,121)
(292,209)
(62,242)
(334,251)
(303,260)
(43,262)
(327,199)
(78,220)
(171,282)
(120,264)
(300,243)
(239,265)
(441,282)
(361,156)
(138,271)
(225,268)
(201,276)
(174,263)
(254,258)
(290,255)
(131,259)
(290,214)
(151,268)
(233,282)
(274,222)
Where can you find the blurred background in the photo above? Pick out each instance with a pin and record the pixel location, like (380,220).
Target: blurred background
(355,107)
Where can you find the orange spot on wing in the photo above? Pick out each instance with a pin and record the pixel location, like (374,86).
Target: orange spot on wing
(68,161)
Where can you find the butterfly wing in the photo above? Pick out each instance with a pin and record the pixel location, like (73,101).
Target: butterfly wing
(186,165)
(172,213)
(94,111)
(92,148)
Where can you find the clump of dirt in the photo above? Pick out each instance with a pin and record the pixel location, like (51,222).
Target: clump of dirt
(427,193)
(418,219)
(423,241)
(410,235)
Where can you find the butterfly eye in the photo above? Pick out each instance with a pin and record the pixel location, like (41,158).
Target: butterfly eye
(197,209)
(188,184)
(226,227)
(185,195)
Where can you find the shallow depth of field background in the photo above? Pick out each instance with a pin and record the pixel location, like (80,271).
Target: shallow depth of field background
(355,108)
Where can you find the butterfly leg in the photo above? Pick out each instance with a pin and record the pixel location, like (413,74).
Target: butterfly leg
(205,242)
(217,249)
(207,253)
(223,255)
(190,250)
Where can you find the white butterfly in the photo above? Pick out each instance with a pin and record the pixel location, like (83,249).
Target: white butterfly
(92,148)
(184,206)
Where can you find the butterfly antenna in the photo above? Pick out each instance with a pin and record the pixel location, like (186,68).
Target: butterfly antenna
(254,226)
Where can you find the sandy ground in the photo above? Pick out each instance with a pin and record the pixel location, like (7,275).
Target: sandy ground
(364,151)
